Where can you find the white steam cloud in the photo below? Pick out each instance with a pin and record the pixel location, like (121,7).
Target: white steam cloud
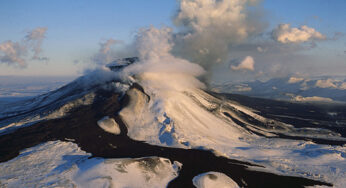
(210,27)
(105,54)
(35,39)
(247,64)
(158,66)
(285,34)
(15,53)
(216,31)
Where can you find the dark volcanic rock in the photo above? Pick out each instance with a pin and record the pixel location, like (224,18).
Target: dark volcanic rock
(299,115)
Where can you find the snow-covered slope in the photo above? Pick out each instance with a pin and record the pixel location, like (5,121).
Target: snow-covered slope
(195,119)
(64,164)
(57,103)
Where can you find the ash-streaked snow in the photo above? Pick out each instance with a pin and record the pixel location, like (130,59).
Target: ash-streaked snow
(64,164)
(17,121)
(58,103)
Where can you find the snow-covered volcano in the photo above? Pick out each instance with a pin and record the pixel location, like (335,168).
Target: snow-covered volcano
(153,123)
(111,128)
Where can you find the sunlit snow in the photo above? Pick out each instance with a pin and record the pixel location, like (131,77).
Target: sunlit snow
(64,164)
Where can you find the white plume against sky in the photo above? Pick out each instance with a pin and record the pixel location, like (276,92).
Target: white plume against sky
(158,65)
(208,29)
(205,30)
(35,39)
(104,54)
(212,33)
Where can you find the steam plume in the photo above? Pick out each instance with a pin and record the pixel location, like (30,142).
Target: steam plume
(104,54)
(210,27)
(35,39)
(158,66)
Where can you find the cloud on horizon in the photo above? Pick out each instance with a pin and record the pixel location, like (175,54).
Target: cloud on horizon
(293,80)
(246,65)
(284,33)
(329,83)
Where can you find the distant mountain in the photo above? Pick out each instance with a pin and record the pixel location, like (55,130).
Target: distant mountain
(298,89)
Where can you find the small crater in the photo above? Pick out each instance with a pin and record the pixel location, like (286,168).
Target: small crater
(212,176)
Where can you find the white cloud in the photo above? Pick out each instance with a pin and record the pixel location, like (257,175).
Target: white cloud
(15,53)
(331,83)
(328,83)
(294,80)
(246,64)
(285,34)
(242,88)
(12,53)
(311,99)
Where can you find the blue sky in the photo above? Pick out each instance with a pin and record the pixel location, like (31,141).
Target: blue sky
(75,28)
